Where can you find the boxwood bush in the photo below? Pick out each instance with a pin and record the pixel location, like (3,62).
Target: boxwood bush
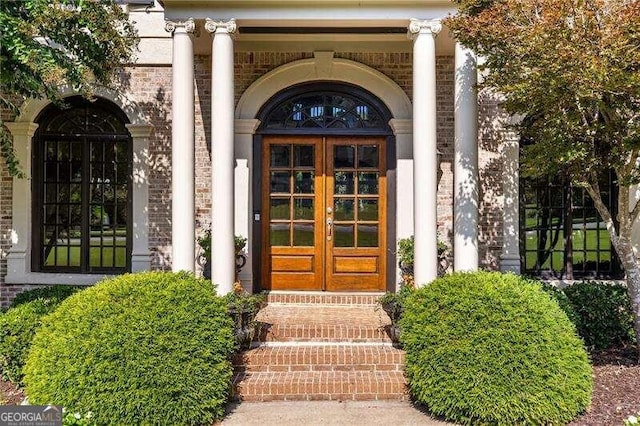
(604,315)
(146,348)
(19,323)
(491,348)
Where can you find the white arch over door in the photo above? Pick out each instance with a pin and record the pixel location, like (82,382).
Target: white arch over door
(323,67)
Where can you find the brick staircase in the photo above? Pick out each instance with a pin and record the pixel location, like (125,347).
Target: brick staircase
(321,346)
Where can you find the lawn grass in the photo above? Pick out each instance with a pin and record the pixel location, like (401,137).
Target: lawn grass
(584,242)
(71,256)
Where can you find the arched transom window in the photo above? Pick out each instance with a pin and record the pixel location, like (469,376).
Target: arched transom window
(325,108)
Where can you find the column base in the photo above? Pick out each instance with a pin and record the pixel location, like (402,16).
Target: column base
(510,263)
(140,262)
(18,264)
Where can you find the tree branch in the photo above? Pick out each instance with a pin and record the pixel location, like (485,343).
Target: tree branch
(604,213)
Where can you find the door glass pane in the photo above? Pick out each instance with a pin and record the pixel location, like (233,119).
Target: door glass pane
(367,183)
(343,236)
(280,209)
(344,156)
(303,155)
(50,214)
(74,255)
(303,234)
(343,209)
(303,209)
(95,256)
(368,209)
(121,257)
(279,234)
(303,182)
(368,156)
(50,192)
(280,156)
(51,172)
(367,235)
(343,183)
(280,182)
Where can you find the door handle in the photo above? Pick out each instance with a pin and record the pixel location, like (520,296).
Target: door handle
(329,228)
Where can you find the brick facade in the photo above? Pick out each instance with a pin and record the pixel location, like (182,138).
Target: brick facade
(150,86)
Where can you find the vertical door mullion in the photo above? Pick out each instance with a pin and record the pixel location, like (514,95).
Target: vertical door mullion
(86,210)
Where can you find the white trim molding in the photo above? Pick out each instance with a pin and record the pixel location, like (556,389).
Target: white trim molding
(23,130)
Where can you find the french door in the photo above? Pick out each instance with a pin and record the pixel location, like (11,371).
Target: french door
(324,213)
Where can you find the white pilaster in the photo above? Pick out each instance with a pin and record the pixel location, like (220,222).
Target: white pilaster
(244,131)
(510,258)
(425,161)
(222,155)
(465,195)
(140,255)
(183,234)
(19,256)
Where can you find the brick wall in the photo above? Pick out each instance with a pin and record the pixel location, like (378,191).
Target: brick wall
(150,86)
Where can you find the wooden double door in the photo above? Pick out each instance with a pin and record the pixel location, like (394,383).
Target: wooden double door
(324,213)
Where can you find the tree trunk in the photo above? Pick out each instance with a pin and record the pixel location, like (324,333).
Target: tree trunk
(621,240)
(631,266)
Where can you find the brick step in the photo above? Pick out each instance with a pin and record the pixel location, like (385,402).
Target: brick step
(325,298)
(322,323)
(321,358)
(319,385)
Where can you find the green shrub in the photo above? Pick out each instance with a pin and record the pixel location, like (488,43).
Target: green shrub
(561,298)
(393,302)
(604,313)
(147,348)
(490,348)
(19,323)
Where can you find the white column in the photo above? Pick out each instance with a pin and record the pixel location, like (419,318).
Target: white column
(222,156)
(19,256)
(510,258)
(183,234)
(140,255)
(465,195)
(425,159)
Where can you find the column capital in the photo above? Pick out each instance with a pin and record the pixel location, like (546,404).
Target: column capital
(424,26)
(139,130)
(187,26)
(19,128)
(213,26)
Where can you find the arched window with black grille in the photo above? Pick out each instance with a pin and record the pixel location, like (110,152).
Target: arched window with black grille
(82,188)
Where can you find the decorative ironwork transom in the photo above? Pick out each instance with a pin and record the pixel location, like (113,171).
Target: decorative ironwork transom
(340,108)
(86,118)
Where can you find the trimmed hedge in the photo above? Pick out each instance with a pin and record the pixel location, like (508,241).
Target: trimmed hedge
(604,314)
(19,323)
(493,348)
(147,348)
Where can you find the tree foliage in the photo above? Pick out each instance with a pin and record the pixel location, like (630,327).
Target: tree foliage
(572,69)
(46,44)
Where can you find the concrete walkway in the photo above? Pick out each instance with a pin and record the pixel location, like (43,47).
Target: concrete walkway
(327,413)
